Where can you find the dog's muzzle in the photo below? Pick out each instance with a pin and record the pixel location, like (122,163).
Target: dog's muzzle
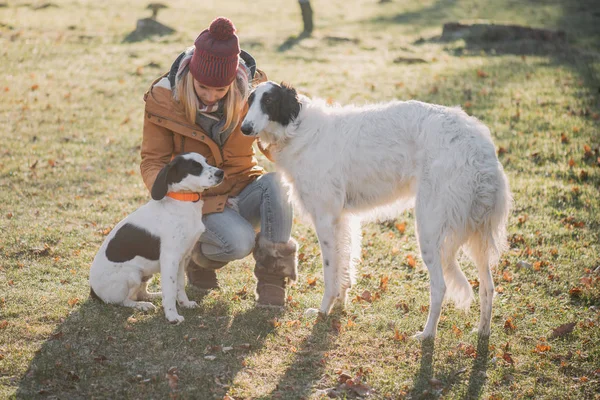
(248,129)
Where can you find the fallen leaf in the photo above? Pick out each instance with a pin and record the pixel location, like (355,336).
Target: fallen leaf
(404,306)
(312,281)
(506,356)
(383,283)
(366,296)
(509,325)
(563,330)
(336,325)
(400,337)
(542,348)
(410,260)
(243,293)
(172,378)
(72,302)
(401,226)
(456,331)
(575,292)
(3,324)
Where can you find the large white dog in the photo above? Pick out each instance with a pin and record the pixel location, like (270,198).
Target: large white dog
(345,163)
(157,237)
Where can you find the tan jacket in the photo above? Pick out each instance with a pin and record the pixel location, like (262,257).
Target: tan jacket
(167,133)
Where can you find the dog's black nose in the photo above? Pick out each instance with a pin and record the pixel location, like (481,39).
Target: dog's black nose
(247,129)
(219,173)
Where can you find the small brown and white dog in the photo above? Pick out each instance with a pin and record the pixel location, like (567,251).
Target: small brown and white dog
(157,237)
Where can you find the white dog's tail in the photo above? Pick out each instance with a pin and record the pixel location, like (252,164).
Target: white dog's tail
(484,245)
(458,288)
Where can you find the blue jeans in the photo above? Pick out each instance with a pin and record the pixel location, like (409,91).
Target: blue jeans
(263,205)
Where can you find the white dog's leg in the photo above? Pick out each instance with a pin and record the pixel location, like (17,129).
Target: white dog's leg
(348,248)
(140,305)
(437,290)
(326,226)
(182,298)
(486,286)
(429,241)
(169,267)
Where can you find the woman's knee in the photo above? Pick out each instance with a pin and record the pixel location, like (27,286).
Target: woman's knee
(234,244)
(271,182)
(242,245)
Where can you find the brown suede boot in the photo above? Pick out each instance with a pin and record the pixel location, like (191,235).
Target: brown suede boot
(201,270)
(276,264)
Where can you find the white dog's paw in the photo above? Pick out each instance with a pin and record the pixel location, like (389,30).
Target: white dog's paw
(145,306)
(311,312)
(422,336)
(188,304)
(175,319)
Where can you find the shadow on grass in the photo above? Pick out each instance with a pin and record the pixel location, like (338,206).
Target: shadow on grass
(306,369)
(478,375)
(429,385)
(116,352)
(426,16)
(292,41)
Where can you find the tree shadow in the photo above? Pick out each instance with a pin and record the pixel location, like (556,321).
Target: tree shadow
(115,352)
(426,16)
(292,41)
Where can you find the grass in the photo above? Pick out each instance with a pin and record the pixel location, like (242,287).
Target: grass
(71,115)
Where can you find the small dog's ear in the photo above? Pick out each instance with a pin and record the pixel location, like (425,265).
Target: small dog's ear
(161,183)
(290,105)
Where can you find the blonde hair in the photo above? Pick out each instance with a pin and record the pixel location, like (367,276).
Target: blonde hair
(234,100)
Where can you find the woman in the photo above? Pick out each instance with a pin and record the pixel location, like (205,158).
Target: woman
(198,107)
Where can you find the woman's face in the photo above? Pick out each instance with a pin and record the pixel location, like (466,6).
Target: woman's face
(209,95)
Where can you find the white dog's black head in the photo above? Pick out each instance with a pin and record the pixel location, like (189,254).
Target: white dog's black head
(186,172)
(271,107)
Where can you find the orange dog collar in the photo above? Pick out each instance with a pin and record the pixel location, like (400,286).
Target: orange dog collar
(185,196)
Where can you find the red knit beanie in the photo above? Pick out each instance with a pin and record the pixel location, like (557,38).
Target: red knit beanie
(215,60)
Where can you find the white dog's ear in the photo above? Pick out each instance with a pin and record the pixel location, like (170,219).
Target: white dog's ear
(161,183)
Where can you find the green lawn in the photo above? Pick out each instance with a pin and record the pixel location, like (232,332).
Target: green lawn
(71,119)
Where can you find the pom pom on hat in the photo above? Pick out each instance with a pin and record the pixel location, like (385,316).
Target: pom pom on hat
(215,60)
(222,28)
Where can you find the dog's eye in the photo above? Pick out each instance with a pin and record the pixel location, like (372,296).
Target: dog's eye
(268,100)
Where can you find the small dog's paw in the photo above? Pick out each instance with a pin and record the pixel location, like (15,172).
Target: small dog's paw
(188,304)
(176,319)
(145,306)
